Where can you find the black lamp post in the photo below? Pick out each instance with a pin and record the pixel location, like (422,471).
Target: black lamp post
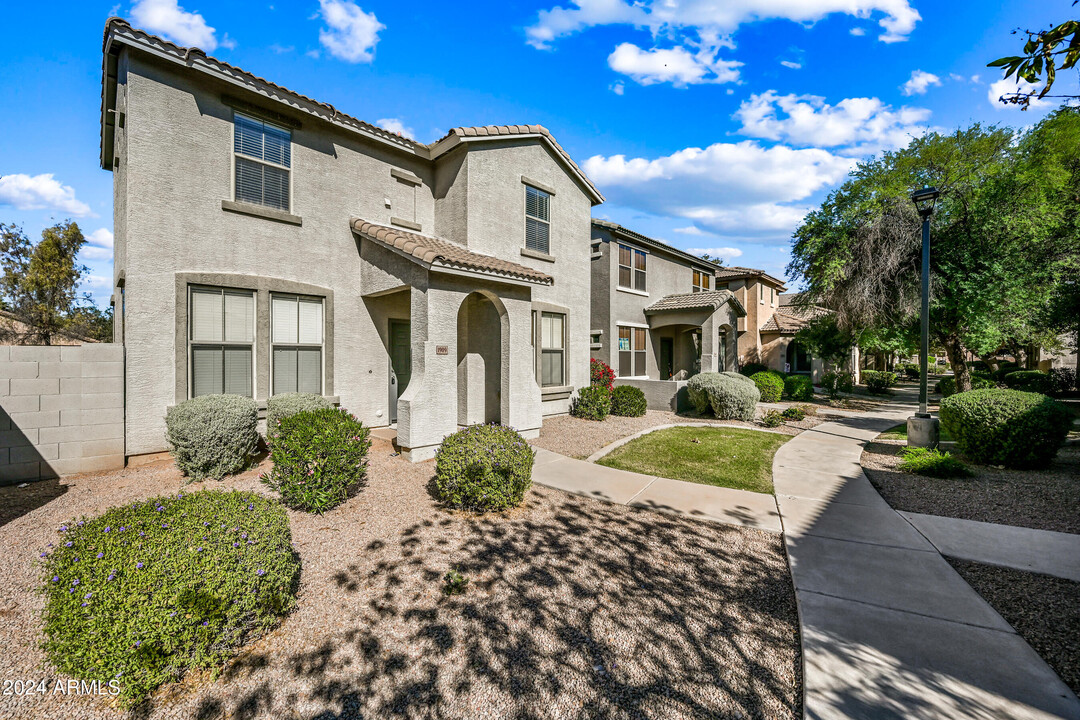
(924,202)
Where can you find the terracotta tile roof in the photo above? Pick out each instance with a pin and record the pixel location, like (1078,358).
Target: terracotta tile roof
(792,318)
(710,299)
(619,229)
(733,272)
(430,250)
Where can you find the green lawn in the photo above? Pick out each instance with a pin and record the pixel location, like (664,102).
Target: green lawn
(724,457)
(899,432)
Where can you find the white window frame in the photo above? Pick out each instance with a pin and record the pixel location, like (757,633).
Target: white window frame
(700,281)
(527,217)
(298,345)
(564,350)
(634,252)
(235,155)
(192,343)
(644,350)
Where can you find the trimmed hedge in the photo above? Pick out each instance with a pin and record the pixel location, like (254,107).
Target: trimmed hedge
(770,385)
(213,435)
(628,401)
(1006,427)
(835,382)
(732,398)
(947,385)
(319,457)
(1030,381)
(878,382)
(147,591)
(753,368)
(286,404)
(1063,380)
(799,388)
(592,403)
(484,467)
(1004,368)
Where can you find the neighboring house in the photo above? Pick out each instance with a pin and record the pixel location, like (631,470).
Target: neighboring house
(656,319)
(781,351)
(14,331)
(759,293)
(266,243)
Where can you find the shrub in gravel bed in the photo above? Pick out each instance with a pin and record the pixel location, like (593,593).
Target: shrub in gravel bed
(286,404)
(600,373)
(697,390)
(794,412)
(932,463)
(773,418)
(319,457)
(1030,381)
(770,385)
(878,382)
(799,388)
(732,398)
(592,403)
(628,401)
(751,369)
(835,382)
(1006,427)
(147,591)
(483,467)
(213,435)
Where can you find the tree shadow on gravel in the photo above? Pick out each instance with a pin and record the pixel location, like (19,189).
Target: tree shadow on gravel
(17,501)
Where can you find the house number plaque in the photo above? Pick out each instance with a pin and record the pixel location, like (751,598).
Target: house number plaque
(442,349)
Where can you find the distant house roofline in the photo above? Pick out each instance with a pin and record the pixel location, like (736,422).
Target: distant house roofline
(657,244)
(736,272)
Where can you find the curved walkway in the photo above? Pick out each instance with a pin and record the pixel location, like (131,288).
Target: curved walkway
(889,629)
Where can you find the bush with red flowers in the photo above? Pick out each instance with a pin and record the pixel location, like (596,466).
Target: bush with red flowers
(601,373)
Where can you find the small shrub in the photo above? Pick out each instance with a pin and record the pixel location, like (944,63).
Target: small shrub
(454,583)
(911,371)
(947,385)
(592,403)
(794,412)
(213,435)
(770,385)
(484,467)
(628,401)
(879,382)
(1062,380)
(733,399)
(773,418)
(1006,427)
(932,463)
(1030,381)
(1004,368)
(799,388)
(147,591)
(751,369)
(697,390)
(319,457)
(286,404)
(601,373)
(835,382)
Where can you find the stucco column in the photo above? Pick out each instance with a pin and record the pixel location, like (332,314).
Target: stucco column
(710,340)
(521,401)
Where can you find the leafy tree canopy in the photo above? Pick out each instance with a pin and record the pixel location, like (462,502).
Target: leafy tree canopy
(1045,52)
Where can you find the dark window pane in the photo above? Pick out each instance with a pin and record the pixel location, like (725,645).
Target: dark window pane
(536,235)
(639,260)
(639,364)
(639,280)
(624,276)
(625,255)
(624,364)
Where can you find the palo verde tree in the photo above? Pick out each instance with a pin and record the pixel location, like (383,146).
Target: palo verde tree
(860,251)
(39,282)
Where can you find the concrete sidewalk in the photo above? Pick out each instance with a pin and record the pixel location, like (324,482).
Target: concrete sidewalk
(889,629)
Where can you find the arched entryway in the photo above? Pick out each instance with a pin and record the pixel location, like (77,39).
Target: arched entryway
(480,360)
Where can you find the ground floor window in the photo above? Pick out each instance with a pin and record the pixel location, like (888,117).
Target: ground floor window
(631,352)
(297,339)
(221,338)
(552,349)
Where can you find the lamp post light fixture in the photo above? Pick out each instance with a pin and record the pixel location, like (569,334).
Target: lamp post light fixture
(923,429)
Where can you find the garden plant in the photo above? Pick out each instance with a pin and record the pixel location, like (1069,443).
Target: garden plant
(286,404)
(213,435)
(628,401)
(770,384)
(593,402)
(1006,427)
(484,467)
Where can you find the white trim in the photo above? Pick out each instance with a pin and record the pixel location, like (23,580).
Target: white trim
(619,323)
(632,291)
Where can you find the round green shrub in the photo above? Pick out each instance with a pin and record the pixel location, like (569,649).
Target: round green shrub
(484,467)
(878,382)
(733,399)
(213,435)
(835,382)
(753,368)
(1030,381)
(799,388)
(947,385)
(593,402)
(1006,427)
(770,385)
(286,404)
(628,401)
(1005,368)
(319,456)
(697,391)
(149,590)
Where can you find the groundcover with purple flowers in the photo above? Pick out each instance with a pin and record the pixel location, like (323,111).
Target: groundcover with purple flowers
(148,590)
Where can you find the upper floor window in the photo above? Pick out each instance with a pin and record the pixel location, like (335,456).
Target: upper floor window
(631,268)
(701,281)
(263,155)
(537,219)
(297,338)
(221,341)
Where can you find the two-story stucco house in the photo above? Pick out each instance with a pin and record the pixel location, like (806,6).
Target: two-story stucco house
(656,318)
(266,242)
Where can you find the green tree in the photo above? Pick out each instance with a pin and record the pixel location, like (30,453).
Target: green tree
(1045,52)
(89,321)
(39,281)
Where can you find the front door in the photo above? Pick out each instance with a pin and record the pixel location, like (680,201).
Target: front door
(400,362)
(667,358)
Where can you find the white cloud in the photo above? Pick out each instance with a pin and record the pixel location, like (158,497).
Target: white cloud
(1006,86)
(857,31)
(741,188)
(710,19)
(395,125)
(676,65)
(975,79)
(98,282)
(350,33)
(618,88)
(791,65)
(919,83)
(689,230)
(860,125)
(281,49)
(727,253)
(169,19)
(40,192)
(99,245)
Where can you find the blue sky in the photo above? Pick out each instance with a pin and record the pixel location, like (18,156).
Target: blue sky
(710,124)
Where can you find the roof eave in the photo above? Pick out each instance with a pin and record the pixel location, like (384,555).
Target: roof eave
(653,242)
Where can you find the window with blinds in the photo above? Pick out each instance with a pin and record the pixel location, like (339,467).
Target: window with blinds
(631,352)
(631,268)
(537,219)
(296,329)
(701,281)
(263,157)
(552,349)
(221,341)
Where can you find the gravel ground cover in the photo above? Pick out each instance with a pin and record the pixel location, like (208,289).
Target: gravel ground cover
(1043,609)
(575,609)
(1041,499)
(578,438)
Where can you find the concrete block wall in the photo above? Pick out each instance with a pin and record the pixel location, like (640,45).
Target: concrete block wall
(61,410)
